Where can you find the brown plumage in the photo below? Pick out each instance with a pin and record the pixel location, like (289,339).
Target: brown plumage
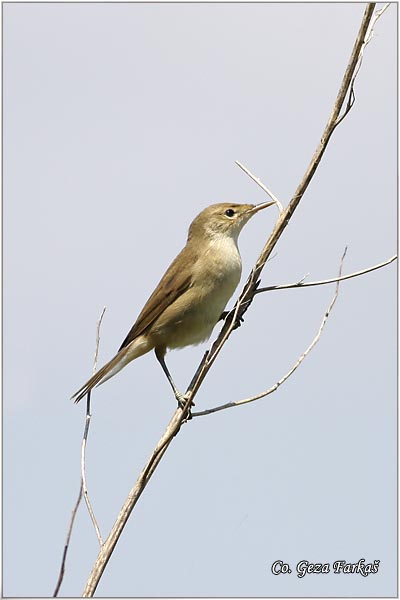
(192,294)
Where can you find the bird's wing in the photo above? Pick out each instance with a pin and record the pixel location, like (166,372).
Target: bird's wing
(172,285)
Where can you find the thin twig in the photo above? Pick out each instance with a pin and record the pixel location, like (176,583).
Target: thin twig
(368,37)
(336,117)
(300,284)
(294,367)
(65,551)
(86,433)
(370,33)
(262,186)
(82,487)
(98,327)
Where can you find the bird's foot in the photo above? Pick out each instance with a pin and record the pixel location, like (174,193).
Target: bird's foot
(238,321)
(182,400)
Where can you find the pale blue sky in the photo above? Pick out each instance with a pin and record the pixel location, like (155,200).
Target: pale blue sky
(121,122)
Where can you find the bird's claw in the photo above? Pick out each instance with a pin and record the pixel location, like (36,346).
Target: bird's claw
(238,321)
(182,400)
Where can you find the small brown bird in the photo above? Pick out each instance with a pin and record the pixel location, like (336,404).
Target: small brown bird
(191,296)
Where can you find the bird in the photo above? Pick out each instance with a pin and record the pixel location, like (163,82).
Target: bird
(191,296)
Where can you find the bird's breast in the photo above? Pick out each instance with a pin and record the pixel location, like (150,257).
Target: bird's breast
(217,271)
(215,276)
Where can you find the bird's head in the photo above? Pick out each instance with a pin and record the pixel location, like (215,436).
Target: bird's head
(224,219)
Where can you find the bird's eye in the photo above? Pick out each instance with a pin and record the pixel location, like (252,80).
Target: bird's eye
(230,212)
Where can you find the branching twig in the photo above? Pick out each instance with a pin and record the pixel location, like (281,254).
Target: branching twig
(86,433)
(233,317)
(106,550)
(82,487)
(301,284)
(294,367)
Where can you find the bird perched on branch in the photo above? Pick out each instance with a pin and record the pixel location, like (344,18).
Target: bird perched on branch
(192,294)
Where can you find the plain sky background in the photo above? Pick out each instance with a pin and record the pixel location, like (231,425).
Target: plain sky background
(122,122)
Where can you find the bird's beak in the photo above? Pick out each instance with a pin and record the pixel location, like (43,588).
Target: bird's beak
(258,207)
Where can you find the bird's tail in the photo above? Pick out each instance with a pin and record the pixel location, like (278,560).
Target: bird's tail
(109,369)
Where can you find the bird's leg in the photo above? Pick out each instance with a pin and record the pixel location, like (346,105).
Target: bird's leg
(181,398)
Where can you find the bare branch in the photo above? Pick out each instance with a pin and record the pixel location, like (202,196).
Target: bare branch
(86,433)
(368,36)
(83,471)
(98,327)
(301,284)
(293,368)
(232,319)
(262,186)
(82,487)
(64,556)
(106,550)
(247,295)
